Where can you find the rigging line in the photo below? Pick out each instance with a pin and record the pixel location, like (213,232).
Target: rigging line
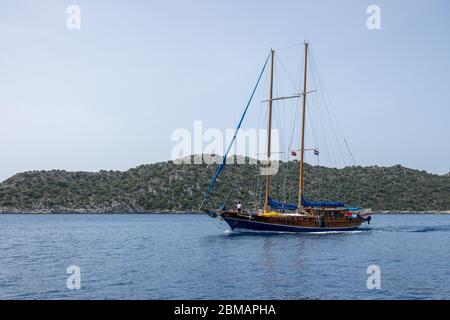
(278,88)
(313,114)
(262,115)
(255,199)
(300,70)
(259,125)
(350,151)
(294,118)
(290,167)
(287,183)
(325,139)
(265,140)
(278,121)
(282,139)
(240,170)
(325,93)
(289,76)
(284,163)
(239,176)
(285,176)
(264,107)
(309,116)
(300,44)
(328,102)
(316,100)
(328,119)
(220,168)
(295,167)
(318,111)
(261,192)
(255,195)
(335,135)
(294,122)
(260,189)
(315,122)
(287,173)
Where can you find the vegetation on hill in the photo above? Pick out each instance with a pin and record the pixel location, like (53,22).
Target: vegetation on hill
(179,187)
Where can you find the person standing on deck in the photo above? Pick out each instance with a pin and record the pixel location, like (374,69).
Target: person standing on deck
(239,206)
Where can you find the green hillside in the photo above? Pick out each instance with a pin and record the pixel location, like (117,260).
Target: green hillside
(179,187)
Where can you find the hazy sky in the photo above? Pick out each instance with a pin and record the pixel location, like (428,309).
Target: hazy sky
(108,96)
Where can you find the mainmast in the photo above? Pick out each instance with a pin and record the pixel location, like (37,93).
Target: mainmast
(269,132)
(302,148)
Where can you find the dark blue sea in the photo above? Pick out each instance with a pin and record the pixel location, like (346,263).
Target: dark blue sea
(196,257)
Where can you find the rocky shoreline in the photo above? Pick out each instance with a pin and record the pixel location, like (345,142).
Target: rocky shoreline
(412,212)
(95,211)
(175,211)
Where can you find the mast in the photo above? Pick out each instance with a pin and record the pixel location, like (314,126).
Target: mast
(302,148)
(269,131)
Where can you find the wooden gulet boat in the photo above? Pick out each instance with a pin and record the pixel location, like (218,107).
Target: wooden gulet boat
(279,217)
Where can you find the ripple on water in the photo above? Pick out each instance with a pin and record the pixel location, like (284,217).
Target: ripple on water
(191,257)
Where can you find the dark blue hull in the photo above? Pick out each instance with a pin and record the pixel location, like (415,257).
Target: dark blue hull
(270,227)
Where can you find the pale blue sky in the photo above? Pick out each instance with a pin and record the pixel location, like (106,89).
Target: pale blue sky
(109,95)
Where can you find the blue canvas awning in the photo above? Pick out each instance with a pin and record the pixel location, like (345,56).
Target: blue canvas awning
(274,204)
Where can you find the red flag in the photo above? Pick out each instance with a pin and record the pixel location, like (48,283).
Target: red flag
(294,153)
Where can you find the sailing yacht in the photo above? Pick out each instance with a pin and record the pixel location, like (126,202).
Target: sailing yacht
(305,216)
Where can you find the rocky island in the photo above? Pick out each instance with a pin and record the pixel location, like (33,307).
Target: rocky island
(170,187)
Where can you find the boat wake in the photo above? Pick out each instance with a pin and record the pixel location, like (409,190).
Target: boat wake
(244,232)
(342,232)
(416,229)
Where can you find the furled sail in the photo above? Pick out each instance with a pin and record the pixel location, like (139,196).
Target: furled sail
(337,204)
(274,204)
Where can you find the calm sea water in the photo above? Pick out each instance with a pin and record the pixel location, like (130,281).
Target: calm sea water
(194,257)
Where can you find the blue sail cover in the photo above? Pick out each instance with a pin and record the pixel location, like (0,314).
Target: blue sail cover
(306,203)
(274,204)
